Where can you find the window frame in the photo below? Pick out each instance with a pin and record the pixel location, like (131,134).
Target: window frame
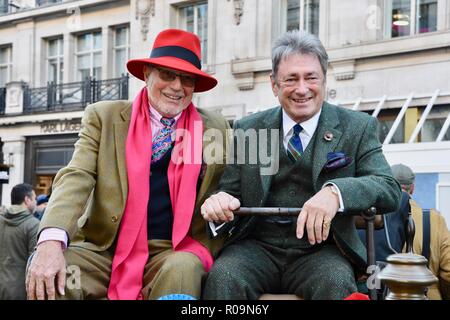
(301,16)
(206,57)
(59,58)
(386,118)
(438,114)
(413,25)
(9,64)
(91,53)
(116,47)
(4,6)
(42,3)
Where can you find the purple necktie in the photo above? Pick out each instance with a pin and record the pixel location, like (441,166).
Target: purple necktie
(163,141)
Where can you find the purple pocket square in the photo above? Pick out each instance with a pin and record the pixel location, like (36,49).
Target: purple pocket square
(336,160)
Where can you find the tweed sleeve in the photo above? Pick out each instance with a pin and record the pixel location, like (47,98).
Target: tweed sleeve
(230,181)
(373,184)
(74,183)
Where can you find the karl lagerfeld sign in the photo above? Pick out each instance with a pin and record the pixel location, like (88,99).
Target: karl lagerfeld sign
(62,126)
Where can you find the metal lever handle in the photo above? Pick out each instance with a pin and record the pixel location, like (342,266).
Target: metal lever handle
(252,211)
(368,214)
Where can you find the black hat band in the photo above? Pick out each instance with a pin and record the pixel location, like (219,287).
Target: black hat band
(177,52)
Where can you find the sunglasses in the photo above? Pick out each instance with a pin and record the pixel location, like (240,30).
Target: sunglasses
(166,75)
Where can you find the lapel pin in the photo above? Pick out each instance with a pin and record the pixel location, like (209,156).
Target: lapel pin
(328,136)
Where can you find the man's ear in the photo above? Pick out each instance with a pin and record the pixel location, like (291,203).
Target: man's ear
(274,84)
(146,71)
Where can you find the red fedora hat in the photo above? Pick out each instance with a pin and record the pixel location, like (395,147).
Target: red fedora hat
(178,50)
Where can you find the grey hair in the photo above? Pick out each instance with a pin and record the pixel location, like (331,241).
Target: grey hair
(298,42)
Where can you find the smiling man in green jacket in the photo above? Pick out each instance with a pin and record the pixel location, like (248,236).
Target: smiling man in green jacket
(329,160)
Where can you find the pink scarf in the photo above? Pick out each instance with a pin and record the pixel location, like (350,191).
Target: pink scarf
(131,253)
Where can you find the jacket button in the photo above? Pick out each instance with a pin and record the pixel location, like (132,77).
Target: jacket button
(292,193)
(114,219)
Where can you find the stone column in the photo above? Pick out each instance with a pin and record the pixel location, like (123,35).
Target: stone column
(108,66)
(14,154)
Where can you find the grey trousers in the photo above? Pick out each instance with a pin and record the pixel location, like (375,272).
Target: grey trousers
(273,260)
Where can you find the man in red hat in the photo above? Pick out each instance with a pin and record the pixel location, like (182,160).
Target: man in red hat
(128,202)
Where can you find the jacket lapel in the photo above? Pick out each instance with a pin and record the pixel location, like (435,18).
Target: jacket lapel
(120,136)
(210,168)
(273,121)
(328,124)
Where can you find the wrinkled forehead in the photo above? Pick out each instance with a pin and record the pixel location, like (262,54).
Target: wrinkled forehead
(300,63)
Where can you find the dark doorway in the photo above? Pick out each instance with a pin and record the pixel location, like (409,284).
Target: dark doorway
(45,155)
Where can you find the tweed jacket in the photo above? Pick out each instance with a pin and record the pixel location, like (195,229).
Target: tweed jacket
(366,181)
(89,194)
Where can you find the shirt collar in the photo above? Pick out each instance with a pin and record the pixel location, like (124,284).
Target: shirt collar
(309,126)
(156,116)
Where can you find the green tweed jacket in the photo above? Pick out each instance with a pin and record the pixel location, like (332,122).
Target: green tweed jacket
(89,195)
(367,181)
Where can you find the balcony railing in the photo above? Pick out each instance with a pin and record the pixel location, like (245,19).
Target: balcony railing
(2,101)
(75,95)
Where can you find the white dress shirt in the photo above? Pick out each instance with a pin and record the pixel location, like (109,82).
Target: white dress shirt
(155,118)
(309,127)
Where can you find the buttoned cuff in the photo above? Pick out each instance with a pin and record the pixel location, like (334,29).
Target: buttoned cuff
(54,234)
(341,201)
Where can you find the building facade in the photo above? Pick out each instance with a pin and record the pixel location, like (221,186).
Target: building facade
(389,58)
